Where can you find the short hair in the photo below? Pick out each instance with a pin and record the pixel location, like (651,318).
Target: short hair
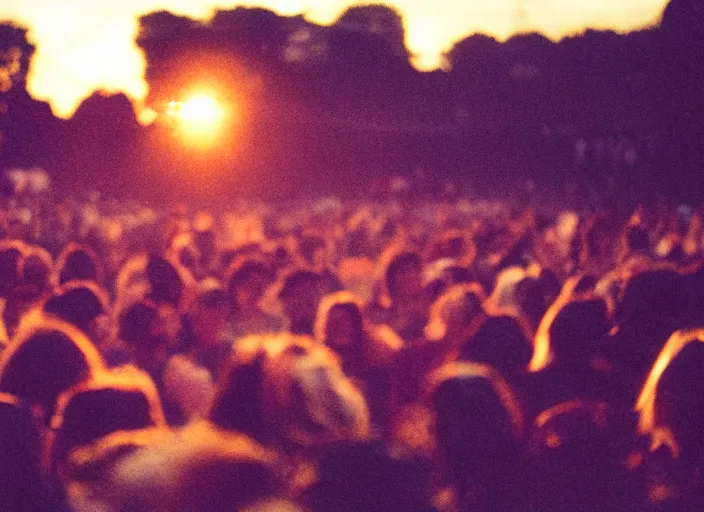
(122,399)
(78,302)
(36,267)
(297,278)
(78,262)
(47,357)
(136,321)
(167,285)
(242,270)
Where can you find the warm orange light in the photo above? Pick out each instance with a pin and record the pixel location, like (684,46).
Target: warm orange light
(199,118)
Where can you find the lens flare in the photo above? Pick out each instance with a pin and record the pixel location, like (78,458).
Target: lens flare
(199,118)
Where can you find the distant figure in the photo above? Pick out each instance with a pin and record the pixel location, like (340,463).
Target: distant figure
(300,294)
(367,352)
(405,304)
(247,282)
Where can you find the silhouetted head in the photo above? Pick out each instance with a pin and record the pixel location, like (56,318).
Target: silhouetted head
(78,262)
(370,476)
(36,267)
(339,323)
(478,422)
(652,301)
(290,389)
(46,358)
(166,284)
(579,449)
(123,399)
(81,303)
(671,404)
(140,327)
(500,342)
(23,486)
(578,330)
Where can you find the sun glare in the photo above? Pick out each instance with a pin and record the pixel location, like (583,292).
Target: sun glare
(199,118)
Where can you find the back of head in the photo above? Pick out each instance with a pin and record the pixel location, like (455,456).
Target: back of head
(20,301)
(200,469)
(78,263)
(368,475)
(578,329)
(286,388)
(36,267)
(136,321)
(652,301)
(22,483)
(679,400)
(477,419)
(455,310)
(78,303)
(46,358)
(297,280)
(501,342)
(579,449)
(167,286)
(121,400)
(401,263)
(239,402)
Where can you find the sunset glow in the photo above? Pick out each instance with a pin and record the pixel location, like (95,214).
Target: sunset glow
(83,45)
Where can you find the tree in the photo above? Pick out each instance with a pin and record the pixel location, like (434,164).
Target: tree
(380,20)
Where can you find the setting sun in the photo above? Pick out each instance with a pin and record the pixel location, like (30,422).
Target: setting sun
(199,118)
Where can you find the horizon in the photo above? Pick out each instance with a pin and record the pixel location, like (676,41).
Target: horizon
(102,55)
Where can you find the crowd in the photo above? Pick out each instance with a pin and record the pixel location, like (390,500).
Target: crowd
(401,355)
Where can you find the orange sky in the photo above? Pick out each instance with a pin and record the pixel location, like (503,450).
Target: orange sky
(85,45)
